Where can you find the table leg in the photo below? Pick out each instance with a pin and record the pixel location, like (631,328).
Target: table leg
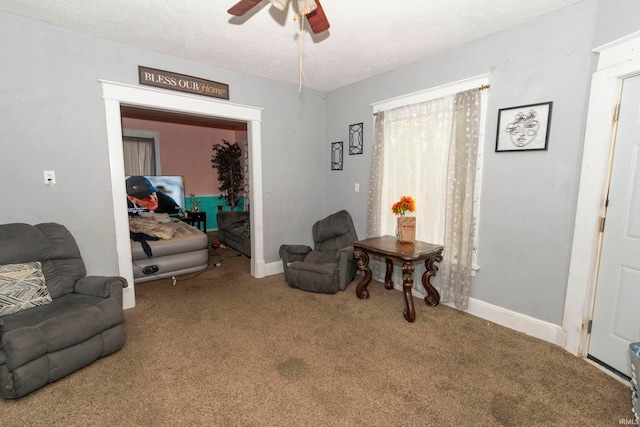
(433,297)
(407,284)
(388,283)
(363,265)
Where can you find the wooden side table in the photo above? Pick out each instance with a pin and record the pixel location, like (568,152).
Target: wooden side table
(390,249)
(195,219)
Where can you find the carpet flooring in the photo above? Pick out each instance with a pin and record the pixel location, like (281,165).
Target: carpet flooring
(221,348)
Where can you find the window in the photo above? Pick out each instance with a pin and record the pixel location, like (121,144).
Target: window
(140,150)
(429,146)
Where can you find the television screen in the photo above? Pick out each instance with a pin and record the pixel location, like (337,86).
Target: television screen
(157,193)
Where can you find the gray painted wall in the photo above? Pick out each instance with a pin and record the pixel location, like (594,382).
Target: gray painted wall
(616,18)
(528,198)
(52,118)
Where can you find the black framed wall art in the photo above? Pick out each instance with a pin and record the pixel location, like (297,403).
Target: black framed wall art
(336,156)
(524,128)
(355,138)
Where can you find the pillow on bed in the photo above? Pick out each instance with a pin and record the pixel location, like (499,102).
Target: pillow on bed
(22,286)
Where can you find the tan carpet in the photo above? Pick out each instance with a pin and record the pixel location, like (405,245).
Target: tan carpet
(224,349)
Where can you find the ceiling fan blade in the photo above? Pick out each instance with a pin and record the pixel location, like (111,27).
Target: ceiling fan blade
(243,6)
(317,19)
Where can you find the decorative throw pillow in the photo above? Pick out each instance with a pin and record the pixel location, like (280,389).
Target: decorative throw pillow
(22,286)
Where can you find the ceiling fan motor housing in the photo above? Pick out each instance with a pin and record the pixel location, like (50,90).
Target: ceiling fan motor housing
(309,8)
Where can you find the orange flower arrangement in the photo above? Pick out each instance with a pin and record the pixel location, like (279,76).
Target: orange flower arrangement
(404,205)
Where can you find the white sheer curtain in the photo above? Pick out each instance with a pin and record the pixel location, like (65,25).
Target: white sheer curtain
(461,186)
(421,150)
(139,156)
(376,184)
(416,147)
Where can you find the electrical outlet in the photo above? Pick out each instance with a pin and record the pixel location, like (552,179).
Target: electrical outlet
(356,188)
(49,177)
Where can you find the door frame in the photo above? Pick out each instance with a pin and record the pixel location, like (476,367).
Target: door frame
(117,94)
(617,60)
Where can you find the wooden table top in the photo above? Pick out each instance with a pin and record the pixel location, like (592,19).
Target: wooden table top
(388,246)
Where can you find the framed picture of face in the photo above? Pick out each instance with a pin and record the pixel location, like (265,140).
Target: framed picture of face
(524,128)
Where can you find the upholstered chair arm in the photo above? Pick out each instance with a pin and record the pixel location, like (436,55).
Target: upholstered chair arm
(291,253)
(102,286)
(347,266)
(227,218)
(345,253)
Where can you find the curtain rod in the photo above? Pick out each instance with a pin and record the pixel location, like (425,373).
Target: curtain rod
(483,87)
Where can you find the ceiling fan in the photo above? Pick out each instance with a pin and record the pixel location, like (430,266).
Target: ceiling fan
(309,8)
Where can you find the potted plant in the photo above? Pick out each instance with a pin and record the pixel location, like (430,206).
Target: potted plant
(406,225)
(226,159)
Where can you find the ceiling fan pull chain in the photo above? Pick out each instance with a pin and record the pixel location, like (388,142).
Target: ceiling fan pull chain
(304,10)
(300,48)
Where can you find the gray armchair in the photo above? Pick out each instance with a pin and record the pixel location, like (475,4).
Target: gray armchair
(54,319)
(330,266)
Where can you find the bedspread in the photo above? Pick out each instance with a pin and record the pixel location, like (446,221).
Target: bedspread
(152,227)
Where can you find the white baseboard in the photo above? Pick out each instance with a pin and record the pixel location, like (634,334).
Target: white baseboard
(274,268)
(510,319)
(517,321)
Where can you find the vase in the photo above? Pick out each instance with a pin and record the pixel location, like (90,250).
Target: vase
(406,229)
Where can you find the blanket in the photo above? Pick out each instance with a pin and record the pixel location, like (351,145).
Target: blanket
(151,227)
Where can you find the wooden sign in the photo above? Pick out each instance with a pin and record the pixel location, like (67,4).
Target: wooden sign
(182,83)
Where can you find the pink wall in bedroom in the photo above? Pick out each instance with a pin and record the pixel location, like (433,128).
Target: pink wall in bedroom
(186,150)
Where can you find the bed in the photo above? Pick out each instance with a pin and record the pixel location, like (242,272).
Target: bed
(163,246)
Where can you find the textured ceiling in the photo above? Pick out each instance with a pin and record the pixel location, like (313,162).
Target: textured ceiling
(366,38)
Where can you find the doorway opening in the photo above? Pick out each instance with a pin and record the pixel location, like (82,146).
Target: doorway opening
(118,95)
(617,61)
(169,144)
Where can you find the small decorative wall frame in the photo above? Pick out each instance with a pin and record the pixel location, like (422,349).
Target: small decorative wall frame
(524,128)
(355,138)
(336,156)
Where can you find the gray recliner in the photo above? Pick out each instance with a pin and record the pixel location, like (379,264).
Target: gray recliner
(330,266)
(75,320)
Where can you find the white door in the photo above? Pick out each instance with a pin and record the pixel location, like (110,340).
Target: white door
(616,315)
